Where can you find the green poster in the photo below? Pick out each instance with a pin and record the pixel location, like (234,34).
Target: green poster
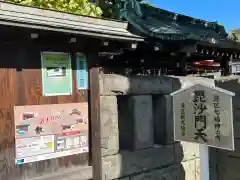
(56,74)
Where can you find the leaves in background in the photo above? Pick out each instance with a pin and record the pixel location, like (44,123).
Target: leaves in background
(81,7)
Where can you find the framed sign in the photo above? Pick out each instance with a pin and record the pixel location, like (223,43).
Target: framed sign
(82,71)
(56,73)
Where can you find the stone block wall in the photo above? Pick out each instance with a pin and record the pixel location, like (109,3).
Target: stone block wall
(137,130)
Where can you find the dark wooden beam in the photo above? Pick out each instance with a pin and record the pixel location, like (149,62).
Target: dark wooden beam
(224,63)
(181,62)
(94,114)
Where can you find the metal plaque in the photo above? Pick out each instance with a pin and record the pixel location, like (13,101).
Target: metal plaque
(203,114)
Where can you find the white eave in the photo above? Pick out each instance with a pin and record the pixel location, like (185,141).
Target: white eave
(37,18)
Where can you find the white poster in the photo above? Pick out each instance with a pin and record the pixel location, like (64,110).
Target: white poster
(50,131)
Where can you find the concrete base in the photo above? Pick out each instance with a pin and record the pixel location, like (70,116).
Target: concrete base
(127,163)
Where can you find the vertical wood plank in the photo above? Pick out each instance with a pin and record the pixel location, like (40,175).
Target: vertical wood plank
(7,97)
(95,118)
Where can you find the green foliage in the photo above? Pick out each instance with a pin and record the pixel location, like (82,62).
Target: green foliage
(81,7)
(235,35)
(147,2)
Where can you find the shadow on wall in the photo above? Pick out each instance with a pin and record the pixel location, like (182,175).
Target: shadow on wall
(136,117)
(226,163)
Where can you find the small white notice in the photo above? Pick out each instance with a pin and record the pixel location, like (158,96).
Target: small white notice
(34,146)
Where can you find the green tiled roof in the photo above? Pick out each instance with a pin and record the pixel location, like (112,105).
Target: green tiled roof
(161,24)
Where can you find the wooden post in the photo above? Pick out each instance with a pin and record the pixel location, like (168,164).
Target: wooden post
(180,69)
(204,162)
(95,133)
(224,63)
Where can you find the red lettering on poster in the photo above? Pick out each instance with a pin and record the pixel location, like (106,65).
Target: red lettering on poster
(71,133)
(48,119)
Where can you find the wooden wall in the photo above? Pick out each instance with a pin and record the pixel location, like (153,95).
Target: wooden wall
(21,84)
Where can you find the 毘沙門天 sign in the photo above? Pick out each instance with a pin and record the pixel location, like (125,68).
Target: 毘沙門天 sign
(203,114)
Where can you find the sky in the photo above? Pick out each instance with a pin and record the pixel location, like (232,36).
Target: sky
(226,12)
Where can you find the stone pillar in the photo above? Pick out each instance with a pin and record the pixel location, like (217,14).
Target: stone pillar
(109,125)
(136,122)
(163,119)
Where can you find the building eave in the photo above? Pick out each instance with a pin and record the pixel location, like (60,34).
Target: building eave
(163,25)
(36,18)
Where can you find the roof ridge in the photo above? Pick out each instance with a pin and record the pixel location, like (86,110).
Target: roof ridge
(208,24)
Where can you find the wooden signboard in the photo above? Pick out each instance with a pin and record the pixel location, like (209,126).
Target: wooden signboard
(203,114)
